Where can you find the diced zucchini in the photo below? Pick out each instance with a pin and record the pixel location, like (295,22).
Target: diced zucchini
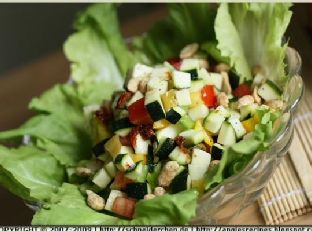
(165,149)
(193,137)
(198,112)
(203,74)
(111,198)
(216,151)
(247,110)
(141,145)
(162,87)
(157,84)
(110,169)
(138,173)
(213,122)
(183,97)
(238,127)
(169,132)
(138,190)
(98,149)
(124,162)
(199,165)
(181,79)
(189,64)
(223,111)
(178,155)
(186,122)
(152,176)
(113,146)
(154,105)
(226,135)
(101,178)
(194,74)
(269,91)
(211,78)
(197,85)
(137,95)
(180,182)
(234,114)
(175,114)
(141,71)
(160,72)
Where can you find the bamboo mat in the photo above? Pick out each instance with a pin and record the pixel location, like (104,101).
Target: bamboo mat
(289,191)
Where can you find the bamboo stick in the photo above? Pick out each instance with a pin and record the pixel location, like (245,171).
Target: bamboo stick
(282,182)
(289,185)
(265,210)
(301,193)
(276,209)
(271,206)
(292,177)
(302,166)
(277,199)
(277,181)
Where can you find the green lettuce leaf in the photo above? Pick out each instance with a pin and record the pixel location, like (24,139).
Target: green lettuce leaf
(68,206)
(98,53)
(250,34)
(103,18)
(30,173)
(92,65)
(60,128)
(211,48)
(186,23)
(172,209)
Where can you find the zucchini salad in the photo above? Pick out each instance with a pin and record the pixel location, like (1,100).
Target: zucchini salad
(169,129)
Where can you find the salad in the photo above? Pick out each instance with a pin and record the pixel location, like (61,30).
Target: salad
(170,127)
(202,94)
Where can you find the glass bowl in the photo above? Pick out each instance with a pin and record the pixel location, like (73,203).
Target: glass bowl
(228,199)
(225,201)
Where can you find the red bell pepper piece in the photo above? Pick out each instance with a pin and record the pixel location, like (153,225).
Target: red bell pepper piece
(209,96)
(175,62)
(138,114)
(120,181)
(241,90)
(124,206)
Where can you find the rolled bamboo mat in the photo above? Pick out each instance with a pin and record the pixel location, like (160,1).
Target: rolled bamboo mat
(289,191)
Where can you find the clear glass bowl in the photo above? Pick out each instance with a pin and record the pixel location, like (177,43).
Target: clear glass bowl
(228,199)
(225,201)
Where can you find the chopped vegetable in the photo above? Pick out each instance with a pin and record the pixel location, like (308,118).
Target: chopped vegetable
(138,113)
(241,90)
(209,96)
(124,207)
